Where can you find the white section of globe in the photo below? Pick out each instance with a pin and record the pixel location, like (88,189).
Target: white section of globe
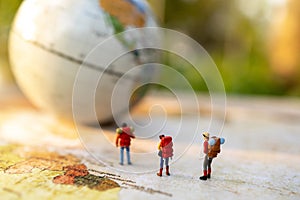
(48,42)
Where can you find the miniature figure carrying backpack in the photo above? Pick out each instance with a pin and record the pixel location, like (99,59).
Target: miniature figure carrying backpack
(125,135)
(214,147)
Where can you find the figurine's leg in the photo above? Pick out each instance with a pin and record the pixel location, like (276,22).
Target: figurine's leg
(121,155)
(167,167)
(209,167)
(161,162)
(161,166)
(128,155)
(205,164)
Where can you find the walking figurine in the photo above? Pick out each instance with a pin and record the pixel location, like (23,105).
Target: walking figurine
(124,135)
(211,148)
(165,148)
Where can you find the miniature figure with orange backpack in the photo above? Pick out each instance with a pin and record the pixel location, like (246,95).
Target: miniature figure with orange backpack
(211,148)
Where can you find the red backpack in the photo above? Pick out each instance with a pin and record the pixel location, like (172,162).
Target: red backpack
(167,147)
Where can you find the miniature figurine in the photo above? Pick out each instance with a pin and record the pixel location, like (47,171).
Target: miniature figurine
(165,148)
(211,148)
(124,135)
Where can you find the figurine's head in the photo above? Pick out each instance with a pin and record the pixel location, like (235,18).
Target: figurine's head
(161,136)
(124,124)
(205,135)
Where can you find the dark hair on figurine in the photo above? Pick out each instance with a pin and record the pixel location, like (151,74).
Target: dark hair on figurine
(161,136)
(124,124)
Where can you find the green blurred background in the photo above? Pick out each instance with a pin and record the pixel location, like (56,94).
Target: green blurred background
(7,11)
(255,44)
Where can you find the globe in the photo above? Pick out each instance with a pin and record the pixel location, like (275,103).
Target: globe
(50,40)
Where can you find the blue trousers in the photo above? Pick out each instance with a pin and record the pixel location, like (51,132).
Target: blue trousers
(162,162)
(122,155)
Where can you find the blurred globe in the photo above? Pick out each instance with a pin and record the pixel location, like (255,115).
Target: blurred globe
(50,40)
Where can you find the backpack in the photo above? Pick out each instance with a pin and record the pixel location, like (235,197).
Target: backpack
(167,147)
(213,150)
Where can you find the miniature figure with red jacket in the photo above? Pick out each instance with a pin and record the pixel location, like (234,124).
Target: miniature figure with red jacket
(165,148)
(123,139)
(211,148)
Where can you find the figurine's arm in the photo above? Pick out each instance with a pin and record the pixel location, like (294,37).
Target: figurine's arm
(118,132)
(117,140)
(132,136)
(205,147)
(159,146)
